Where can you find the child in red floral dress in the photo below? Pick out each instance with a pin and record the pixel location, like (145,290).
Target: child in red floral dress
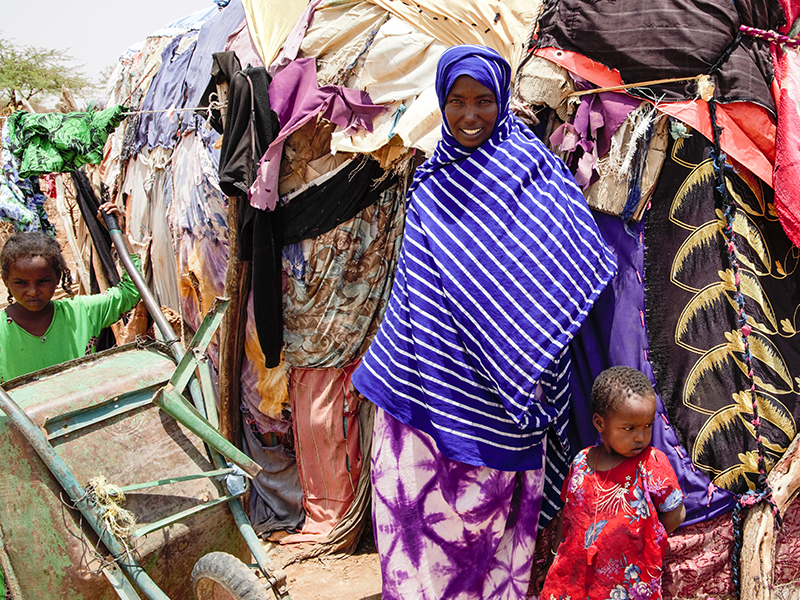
(621,499)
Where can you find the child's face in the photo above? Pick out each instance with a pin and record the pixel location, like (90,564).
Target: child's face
(32,282)
(628,430)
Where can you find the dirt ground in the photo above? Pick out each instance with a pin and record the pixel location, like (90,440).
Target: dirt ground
(353,577)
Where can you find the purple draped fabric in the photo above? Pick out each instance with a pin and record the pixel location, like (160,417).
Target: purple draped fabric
(615,333)
(445,529)
(296,97)
(596,120)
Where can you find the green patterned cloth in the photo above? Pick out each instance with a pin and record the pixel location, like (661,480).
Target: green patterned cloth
(59,143)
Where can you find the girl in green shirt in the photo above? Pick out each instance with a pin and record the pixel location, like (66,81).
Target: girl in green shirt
(37,331)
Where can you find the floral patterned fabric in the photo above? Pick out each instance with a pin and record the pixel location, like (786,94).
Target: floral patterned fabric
(58,143)
(698,562)
(614,544)
(339,284)
(446,530)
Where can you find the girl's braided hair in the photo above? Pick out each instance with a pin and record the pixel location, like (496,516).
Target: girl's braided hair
(616,384)
(21,246)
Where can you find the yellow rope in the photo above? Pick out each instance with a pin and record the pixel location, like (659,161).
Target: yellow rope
(108,497)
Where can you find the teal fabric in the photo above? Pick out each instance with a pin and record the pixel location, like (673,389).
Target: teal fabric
(60,143)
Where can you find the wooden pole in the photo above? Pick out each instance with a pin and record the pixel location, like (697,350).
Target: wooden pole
(232,330)
(759,536)
(232,333)
(627,86)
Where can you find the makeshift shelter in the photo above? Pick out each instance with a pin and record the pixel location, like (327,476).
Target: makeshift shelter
(688,162)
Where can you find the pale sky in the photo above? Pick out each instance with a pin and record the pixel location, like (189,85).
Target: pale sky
(94,32)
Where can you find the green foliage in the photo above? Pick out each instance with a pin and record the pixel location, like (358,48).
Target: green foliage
(35,72)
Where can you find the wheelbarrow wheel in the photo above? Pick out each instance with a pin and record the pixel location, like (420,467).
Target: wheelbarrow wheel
(221,576)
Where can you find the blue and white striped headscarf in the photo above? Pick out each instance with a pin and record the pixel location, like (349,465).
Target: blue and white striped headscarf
(501,262)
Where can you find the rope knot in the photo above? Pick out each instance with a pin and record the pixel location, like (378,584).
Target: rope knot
(107,498)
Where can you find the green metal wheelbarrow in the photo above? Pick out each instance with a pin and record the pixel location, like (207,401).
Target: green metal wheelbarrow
(120,422)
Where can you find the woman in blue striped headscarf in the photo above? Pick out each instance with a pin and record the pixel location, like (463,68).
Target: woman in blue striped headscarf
(501,262)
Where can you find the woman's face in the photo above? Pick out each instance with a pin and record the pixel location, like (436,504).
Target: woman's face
(471,111)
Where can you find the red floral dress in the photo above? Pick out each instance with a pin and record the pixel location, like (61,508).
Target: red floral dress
(613,543)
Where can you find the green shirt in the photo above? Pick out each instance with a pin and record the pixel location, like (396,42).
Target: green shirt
(72,333)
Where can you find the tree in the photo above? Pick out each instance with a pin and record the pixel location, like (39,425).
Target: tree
(35,72)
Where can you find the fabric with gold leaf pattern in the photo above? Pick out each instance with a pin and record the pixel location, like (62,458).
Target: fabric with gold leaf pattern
(696,346)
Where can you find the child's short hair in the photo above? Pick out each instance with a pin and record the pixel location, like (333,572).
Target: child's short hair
(21,246)
(616,384)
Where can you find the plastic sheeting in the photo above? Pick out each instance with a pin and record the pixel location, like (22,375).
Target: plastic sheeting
(338,35)
(270,21)
(399,70)
(500,24)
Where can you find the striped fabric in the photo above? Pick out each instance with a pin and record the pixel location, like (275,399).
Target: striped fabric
(501,261)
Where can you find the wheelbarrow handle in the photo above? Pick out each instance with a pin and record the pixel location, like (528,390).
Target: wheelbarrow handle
(147,296)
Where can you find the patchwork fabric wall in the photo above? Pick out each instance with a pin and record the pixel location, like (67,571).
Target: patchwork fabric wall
(696,347)
(673,310)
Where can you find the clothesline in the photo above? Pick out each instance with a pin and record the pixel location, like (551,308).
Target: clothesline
(771,36)
(212,106)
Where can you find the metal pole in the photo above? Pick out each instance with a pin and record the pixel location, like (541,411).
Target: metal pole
(276,578)
(147,296)
(150,303)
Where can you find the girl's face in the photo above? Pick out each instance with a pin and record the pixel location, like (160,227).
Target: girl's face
(32,282)
(628,430)
(471,111)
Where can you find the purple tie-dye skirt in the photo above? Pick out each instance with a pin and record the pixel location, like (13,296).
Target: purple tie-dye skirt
(446,530)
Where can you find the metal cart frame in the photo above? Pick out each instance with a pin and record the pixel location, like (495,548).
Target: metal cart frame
(200,417)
